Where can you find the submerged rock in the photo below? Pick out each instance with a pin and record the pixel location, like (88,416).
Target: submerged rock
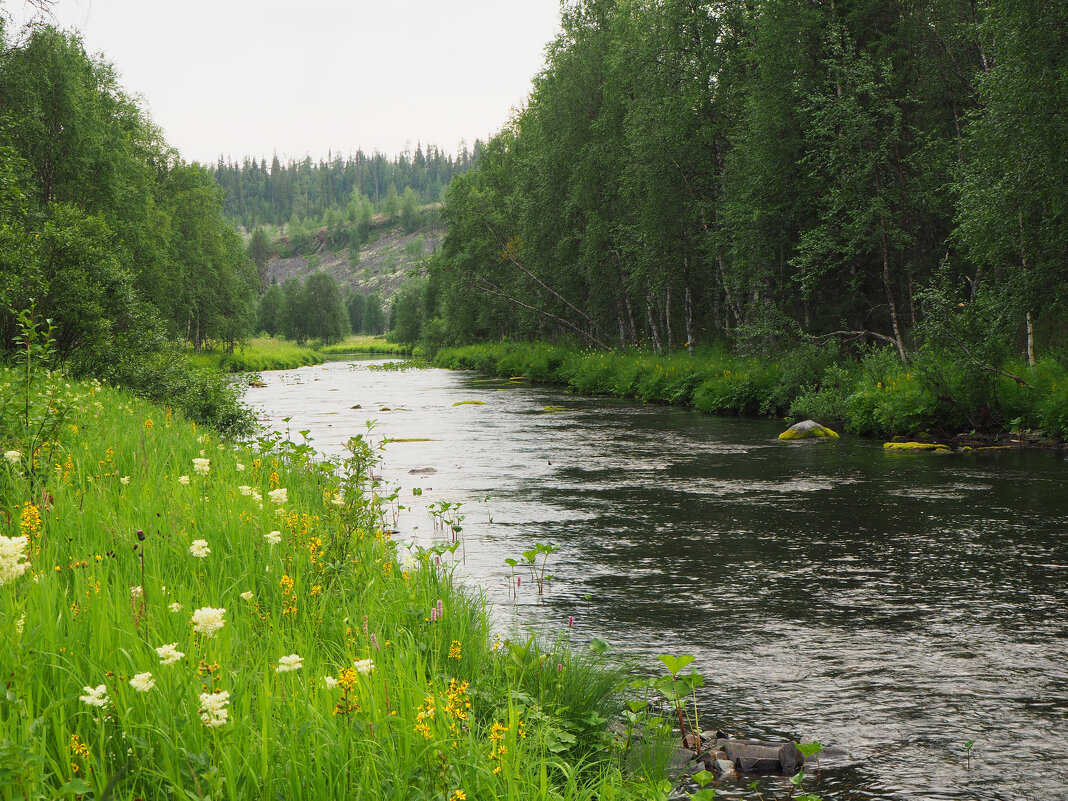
(915,446)
(808,429)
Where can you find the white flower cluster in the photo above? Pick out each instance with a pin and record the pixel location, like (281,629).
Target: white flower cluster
(288,663)
(183,479)
(273,537)
(247,490)
(13,457)
(96,696)
(364,666)
(278,496)
(143,682)
(213,711)
(201,466)
(199,548)
(12,556)
(247,595)
(169,653)
(207,620)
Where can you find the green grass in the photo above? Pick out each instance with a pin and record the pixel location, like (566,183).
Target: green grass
(263,353)
(873,395)
(96,468)
(361,343)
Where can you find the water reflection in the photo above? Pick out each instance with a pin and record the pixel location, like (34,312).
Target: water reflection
(894,604)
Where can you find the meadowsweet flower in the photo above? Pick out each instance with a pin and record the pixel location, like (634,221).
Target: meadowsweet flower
(240,467)
(207,620)
(273,537)
(95,696)
(213,708)
(183,479)
(12,558)
(364,666)
(169,653)
(199,548)
(175,606)
(124,480)
(330,682)
(247,595)
(20,624)
(289,663)
(13,457)
(245,489)
(143,682)
(136,591)
(201,466)
(278,496)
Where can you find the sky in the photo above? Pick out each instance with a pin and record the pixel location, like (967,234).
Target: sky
(306,77)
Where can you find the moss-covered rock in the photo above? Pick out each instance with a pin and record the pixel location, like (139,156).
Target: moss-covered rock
(808,429)
(915,446)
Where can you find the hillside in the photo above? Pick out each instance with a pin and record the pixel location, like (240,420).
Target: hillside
(383,264)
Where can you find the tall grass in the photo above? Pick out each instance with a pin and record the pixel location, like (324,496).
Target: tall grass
(134,519)
(361,343)
(257,355)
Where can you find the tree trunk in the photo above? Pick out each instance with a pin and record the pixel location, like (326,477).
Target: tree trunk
(630,319)
(653,333)
(1030,340)
(688,305)
(885,247)
(667,321)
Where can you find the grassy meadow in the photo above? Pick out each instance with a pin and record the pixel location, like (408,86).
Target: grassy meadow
(257,355)
(190,617)
(365,343)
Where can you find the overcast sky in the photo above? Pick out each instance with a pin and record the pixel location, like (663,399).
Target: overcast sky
(296,77)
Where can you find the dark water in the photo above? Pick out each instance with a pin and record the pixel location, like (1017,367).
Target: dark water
(895,605)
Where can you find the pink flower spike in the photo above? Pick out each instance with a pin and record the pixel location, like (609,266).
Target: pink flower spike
(570,621)
(374,642)
(559,667)
(519,581)
(433,614)
(441,608)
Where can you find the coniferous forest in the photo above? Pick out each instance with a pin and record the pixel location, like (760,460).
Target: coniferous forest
(775,172)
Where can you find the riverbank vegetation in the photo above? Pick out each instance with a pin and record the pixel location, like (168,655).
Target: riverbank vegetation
(873,394)
(862,174)
(256,355)
(188,615)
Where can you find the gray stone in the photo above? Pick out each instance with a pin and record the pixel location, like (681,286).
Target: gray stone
(724,769)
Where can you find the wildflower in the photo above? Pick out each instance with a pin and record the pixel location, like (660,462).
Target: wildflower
(330,682)
(199,548)
(30,520)
(136,591)
(364,666)
(207,620)
(169,653)
(124,480)
(273,537)
(338,500)
(240,467)
(148,424)
(201,466)
(13,457)
(175,606)
(244,489)
(289,663)
(183,479)
(20,624)
(459,795)
(12,554)
(95,696)
(213,711)
(247,595)
(278,496)
(143,682)
(454,650)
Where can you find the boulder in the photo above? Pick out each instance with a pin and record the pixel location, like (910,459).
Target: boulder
(914,446)
(808,429)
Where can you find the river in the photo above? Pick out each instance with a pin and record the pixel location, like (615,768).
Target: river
(895,605)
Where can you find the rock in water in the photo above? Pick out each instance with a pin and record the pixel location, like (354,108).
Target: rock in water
(809,429)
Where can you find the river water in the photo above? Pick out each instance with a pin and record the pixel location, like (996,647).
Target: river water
(894,605)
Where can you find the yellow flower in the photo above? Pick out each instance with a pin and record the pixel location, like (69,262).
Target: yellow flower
(454,650)
(149,424)
(30,521)
(459,795)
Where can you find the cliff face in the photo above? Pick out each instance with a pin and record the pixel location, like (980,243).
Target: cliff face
(383,263)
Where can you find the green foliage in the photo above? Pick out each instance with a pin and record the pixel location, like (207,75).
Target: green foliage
(150,518)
